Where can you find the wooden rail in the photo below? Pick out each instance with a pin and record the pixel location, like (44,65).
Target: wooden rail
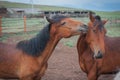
(0,26)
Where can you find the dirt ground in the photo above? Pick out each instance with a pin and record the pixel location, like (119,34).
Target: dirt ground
(63,64)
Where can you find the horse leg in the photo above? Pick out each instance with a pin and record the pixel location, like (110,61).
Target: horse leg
(92,75)
(42,72)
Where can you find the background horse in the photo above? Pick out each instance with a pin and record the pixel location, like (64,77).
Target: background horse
(92,49)
(27,60)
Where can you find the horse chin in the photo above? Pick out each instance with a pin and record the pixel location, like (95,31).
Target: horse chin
(77,33)
(67,36)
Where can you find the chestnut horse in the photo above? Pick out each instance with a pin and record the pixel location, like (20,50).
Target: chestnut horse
(98,53)
(27,60)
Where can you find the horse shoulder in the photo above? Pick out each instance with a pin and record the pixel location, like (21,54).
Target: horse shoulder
(29,65)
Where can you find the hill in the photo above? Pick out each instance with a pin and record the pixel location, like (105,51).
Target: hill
(23,5)
(115,14)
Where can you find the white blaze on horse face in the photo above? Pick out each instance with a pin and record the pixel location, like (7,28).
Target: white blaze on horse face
(96,50)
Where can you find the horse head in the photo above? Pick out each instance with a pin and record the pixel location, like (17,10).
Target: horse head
(65,27)
(95,35)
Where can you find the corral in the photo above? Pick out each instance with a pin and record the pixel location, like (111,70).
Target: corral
(60,68)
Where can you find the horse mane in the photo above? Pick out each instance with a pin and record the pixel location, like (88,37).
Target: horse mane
(98,22)
(37,44)
(58,18)
(98,17)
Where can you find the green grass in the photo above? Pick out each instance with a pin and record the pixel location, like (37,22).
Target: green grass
(17,24)
(23,35)
(113,31)
(109,15)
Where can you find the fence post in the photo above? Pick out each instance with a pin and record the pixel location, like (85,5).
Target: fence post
(0,26)
(24,23)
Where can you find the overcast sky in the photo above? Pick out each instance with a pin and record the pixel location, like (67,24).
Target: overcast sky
(101,5)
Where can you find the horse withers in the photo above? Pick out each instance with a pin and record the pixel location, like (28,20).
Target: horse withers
(27,60)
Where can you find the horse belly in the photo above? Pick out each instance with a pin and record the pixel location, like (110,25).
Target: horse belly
(8,70)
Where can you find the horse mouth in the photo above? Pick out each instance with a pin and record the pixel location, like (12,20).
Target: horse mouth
(83,28)
(99,55)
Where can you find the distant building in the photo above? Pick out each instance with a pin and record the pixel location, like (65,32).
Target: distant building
(3,11)
(75,13)
(20,12)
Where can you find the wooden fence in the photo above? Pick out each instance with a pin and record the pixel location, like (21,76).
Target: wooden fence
(0,26)
(15,25)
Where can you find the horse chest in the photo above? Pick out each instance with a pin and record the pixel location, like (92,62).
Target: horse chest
(85,62)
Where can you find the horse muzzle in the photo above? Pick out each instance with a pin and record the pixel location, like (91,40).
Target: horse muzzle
(83,28)
(99,55)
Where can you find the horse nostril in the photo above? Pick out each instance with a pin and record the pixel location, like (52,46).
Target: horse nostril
(99,55)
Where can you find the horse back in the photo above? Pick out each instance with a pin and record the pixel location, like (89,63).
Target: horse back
(112,55)
(112,44)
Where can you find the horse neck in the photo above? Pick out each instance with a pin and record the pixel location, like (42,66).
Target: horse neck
(82,44)
(43,58)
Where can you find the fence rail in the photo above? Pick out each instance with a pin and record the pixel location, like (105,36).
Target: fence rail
(14,25)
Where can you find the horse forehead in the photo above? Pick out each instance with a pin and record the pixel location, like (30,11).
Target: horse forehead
(99,24)
(96,23)
(71,21)
(90,24)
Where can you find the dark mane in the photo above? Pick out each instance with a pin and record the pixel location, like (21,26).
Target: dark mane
(58,18)
(98,18)
(35,45)
(98,22)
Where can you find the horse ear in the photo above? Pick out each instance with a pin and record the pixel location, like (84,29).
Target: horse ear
(91,17)
(49,19)
(104,21)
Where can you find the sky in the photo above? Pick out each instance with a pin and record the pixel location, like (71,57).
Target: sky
(99,5)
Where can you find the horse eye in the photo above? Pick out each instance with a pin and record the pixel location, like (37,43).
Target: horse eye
(63,23)
(94,31)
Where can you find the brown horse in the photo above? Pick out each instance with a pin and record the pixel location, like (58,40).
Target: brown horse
(98,53)
(27,60)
